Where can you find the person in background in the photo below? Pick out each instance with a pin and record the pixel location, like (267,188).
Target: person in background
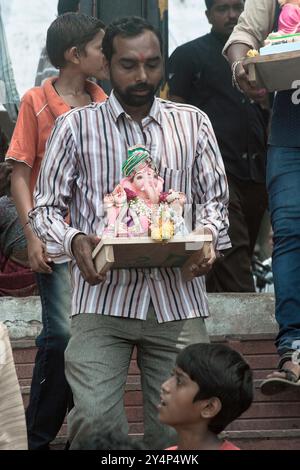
(211,386)
(155,310)
(45,68)
(199,75)
(74,45)
(283,177)
(16,277)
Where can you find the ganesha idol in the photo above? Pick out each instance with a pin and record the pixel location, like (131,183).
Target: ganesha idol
(138,207)
(289,19)
(288,24)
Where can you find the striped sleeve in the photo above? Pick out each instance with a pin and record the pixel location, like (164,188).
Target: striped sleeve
(210,187)
(53,190)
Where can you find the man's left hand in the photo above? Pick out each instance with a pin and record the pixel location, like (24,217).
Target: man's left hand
(201,262)
(82,248)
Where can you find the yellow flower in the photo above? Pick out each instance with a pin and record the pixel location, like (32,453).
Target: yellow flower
(156,233)
(167,231)
(252,53)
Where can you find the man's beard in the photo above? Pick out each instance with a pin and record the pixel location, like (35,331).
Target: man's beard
(130,99)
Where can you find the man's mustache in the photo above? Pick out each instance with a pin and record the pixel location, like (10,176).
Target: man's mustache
(140,87)
(231,25)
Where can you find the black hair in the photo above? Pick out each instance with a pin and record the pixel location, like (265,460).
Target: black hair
(129,26)
(209,4)
(219,372)
(5,171)
(3,145)
(70,30)
(65,6)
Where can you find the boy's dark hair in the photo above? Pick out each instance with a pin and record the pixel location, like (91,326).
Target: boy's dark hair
(209,4)
(129,26)
(70,30)
(65,6)
(219,372)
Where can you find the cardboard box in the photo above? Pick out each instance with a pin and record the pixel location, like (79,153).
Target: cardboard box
(118,253)
(275,72)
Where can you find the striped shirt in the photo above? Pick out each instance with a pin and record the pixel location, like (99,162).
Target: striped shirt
(83,162)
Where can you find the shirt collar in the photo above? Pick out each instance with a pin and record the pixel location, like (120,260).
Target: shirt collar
(219,37)
(56,104)
(117,110)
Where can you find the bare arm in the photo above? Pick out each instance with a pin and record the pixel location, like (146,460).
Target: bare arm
(237,52)
(254,25)
(20,189)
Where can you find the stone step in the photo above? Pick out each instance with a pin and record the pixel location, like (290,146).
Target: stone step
(243,321)
(271,422)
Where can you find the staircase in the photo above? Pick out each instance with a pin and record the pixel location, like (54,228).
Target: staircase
(245,323)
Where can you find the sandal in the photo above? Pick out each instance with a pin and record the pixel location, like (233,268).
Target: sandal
(275,385)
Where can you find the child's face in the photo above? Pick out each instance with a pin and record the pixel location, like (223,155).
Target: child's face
(177,394)
(91,59)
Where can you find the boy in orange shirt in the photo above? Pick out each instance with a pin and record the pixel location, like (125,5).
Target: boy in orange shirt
(74,46)
(210,387)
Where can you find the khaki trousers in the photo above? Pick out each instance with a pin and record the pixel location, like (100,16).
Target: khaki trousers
(97,361)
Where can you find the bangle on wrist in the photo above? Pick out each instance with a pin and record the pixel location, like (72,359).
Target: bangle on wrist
(235,83)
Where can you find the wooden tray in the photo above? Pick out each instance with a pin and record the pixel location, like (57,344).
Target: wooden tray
(274,72)
(117,253)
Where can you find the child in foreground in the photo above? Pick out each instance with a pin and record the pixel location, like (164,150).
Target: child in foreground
(210,387)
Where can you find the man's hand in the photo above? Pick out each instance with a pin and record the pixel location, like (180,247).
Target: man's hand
(236,53)
(254,93)
(37,253)
(82,248)
(201,262)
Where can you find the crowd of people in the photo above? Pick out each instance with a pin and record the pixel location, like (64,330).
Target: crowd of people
(209,140)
